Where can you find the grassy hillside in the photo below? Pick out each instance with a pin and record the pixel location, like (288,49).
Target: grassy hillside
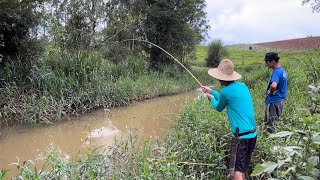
(201,54)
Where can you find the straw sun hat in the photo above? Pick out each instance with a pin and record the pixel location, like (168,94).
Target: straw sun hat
(225,71)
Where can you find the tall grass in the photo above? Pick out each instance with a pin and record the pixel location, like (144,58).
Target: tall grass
(63,84)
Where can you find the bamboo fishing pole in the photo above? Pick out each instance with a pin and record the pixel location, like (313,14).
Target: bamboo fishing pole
(141,40)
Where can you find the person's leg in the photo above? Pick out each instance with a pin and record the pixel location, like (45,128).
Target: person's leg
(267,120)
(244,153)
(279,108)
(232,157)
(272,114)
(241,156)
(238,175)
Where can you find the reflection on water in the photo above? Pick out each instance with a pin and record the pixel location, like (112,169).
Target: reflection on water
(149,118)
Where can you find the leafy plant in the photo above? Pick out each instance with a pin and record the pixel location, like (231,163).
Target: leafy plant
(299,157)
(216,52)
(3,173)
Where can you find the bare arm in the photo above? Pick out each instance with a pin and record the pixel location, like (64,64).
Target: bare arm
(273,88)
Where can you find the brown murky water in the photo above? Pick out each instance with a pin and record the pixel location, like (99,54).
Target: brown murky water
(149,118)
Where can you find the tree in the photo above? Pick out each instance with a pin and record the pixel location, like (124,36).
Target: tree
(73,24)
(315,4)
(175,25)
(17,18)
(216,52)
(18,43)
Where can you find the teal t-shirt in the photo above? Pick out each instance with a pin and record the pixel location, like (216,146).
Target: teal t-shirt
(237,99)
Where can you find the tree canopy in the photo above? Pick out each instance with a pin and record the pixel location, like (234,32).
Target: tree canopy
(175,25)
(315,5)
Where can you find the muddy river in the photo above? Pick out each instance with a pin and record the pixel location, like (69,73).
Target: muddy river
(149,119)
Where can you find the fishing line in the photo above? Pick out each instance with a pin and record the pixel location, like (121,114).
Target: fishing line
(168,54)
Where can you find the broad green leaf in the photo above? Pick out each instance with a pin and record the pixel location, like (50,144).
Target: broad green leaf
(315,172)
(289,170)
(281,134)
(300,132)
(316,138)
(290,150)
(270,166)
(267,167)
(281,162)
(258,169)
(305,178)
(313,160)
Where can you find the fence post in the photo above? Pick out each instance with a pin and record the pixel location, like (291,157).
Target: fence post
(243,59)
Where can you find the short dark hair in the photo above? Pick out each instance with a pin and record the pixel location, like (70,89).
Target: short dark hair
(271,56)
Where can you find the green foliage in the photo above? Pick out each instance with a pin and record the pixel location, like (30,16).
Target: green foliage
(17,18)
(72,25)
(91,166)
(298,158)
(170,26)
(69,83)
(115,52)
(216,52)
(17,45)
(3,173)
(200,55)
(312,65)
(314,92)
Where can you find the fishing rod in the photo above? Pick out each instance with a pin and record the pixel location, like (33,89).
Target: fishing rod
(141,40)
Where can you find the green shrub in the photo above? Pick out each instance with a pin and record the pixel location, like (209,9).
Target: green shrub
(216,52)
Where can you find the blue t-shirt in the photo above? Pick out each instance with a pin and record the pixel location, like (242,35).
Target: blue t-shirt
(236,97)
(279,76)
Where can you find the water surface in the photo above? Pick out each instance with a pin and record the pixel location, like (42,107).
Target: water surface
(149,118)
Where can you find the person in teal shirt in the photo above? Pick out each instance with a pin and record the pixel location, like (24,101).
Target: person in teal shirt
(236,98)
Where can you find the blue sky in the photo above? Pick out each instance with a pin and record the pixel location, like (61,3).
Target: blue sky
(247,21)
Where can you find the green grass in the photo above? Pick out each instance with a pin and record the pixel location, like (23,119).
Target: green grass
(245,58)
(201,54)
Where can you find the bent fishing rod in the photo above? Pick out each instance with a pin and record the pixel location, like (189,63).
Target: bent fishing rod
(141,40)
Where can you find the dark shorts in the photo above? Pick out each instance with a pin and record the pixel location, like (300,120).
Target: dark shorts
(244,153)
(272,112)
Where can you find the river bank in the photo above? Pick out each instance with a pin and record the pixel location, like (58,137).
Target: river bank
(70,88)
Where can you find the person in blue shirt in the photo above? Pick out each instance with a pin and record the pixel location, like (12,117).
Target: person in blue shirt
(236,98)
(276,92)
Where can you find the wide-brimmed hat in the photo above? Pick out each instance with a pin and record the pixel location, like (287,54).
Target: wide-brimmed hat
(225,71)
(271,56)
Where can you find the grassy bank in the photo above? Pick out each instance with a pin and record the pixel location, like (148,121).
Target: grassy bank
(198,145)
(64,84)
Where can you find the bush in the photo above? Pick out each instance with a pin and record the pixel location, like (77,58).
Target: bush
(115,52)
(216,52)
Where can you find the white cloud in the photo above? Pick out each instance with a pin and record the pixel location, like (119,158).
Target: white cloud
(244,21)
